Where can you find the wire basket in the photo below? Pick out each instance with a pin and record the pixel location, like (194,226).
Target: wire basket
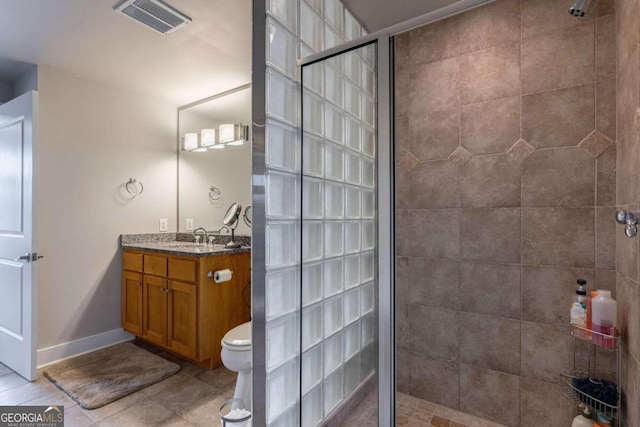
(607,340)
(609,411)
(229,418)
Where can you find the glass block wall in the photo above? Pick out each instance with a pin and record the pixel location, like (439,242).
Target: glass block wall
(338,230)
(298,28)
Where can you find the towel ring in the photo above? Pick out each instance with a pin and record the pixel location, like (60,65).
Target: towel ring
(214,193)
(134,187)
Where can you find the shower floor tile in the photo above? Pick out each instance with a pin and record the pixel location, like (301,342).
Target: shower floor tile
(414,412)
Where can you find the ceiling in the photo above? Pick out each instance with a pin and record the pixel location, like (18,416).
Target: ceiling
(379,14)
(88,39)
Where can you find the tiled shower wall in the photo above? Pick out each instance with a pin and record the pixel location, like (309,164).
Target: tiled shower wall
(628,279)
(294,29)
(505,195)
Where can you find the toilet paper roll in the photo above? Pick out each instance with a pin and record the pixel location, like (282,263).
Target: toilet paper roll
(222,275)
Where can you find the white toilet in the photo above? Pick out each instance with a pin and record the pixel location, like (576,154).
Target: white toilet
(236,356)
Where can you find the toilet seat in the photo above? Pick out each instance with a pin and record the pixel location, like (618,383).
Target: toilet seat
(238,338)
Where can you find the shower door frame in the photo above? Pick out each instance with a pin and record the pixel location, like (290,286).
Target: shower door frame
(385,218)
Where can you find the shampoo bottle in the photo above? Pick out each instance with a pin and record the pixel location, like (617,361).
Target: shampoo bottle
(580,312)
(585,419)
(604,315)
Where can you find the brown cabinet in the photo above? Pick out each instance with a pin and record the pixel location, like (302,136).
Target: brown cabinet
(169,301)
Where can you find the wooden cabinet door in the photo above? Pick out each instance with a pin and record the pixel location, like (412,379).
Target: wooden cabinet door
(182,318)
(132,302)
(155,298)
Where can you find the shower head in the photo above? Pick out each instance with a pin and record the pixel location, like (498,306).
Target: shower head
(581,8)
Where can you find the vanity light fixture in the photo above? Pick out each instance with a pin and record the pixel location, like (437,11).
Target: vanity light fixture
(207,138)
(233,134)
(190,142)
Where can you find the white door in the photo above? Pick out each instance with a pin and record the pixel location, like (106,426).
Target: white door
(18,302)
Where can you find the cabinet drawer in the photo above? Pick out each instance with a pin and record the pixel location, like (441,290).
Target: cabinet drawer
(182,269)
(132,261)
(156,265)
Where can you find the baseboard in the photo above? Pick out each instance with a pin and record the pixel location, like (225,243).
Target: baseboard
(58,352)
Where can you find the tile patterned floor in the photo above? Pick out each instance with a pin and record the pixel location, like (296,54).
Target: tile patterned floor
(192,397)
(414,412)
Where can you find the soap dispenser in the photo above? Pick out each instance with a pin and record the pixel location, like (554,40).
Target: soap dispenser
(581,312)
(585,419)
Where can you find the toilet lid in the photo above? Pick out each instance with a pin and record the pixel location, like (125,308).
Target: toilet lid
(240,336)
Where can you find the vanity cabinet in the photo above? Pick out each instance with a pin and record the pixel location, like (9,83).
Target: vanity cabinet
(169,301)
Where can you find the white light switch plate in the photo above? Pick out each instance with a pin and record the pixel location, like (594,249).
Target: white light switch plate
(189,226)
(163,224)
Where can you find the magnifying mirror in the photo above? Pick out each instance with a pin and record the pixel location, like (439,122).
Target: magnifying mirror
(248,211)
(231,221)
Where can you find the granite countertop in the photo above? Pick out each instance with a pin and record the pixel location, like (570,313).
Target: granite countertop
(168,244)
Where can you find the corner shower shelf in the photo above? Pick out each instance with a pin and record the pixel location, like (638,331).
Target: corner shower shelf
(604,341)
(610,411)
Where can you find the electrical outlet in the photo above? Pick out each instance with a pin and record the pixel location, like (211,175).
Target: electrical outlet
(164,224)
(189,226)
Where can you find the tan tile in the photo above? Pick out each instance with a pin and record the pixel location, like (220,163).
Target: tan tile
(558,118)
(434,380)
(490,73)
(438,421)
(490,127)
(558,236)
(409,162)
(548,291)
(220,378)
(403,185)
(520,150)
(146,412)
(119,405)
(440,338)
(12,380)
(434,86)
(606,238)
(490,181)
(203,412)
(627,27)
(490,289)
(606,279)
(435,184)
(543,15)
(606,47)
(490,25)
(628,156)
(630,393)
(628,299)
(490,394)
(426,406)
(401,145)
(490,342)
(402,59)
(435,135)
(538,397)
(434,42)
(175,421)
(183,394)
(559,177)
(547,351)
(403,279)
(421,415)
(558,58)
(606,107)
(427,233)
(73,416)
(434,282)
(490,235)
(605,7)
(460,157)
(402,89)
(595,144)
(606,178)
(407,399)
(627,96)
(405,410)
(26,392)
(626,251)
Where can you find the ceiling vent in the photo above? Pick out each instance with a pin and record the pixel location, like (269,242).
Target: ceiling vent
(153,14)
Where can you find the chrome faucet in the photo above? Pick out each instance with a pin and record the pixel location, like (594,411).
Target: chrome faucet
(224,227)
(195,234)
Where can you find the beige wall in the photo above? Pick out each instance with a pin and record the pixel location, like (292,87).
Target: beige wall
(505,196)
(628,197)
(93,138)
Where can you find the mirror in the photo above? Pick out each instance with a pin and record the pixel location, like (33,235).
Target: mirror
(211,179)
(232,215)
(248,211)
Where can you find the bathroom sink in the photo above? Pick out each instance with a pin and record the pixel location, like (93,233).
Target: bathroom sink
(189,245)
